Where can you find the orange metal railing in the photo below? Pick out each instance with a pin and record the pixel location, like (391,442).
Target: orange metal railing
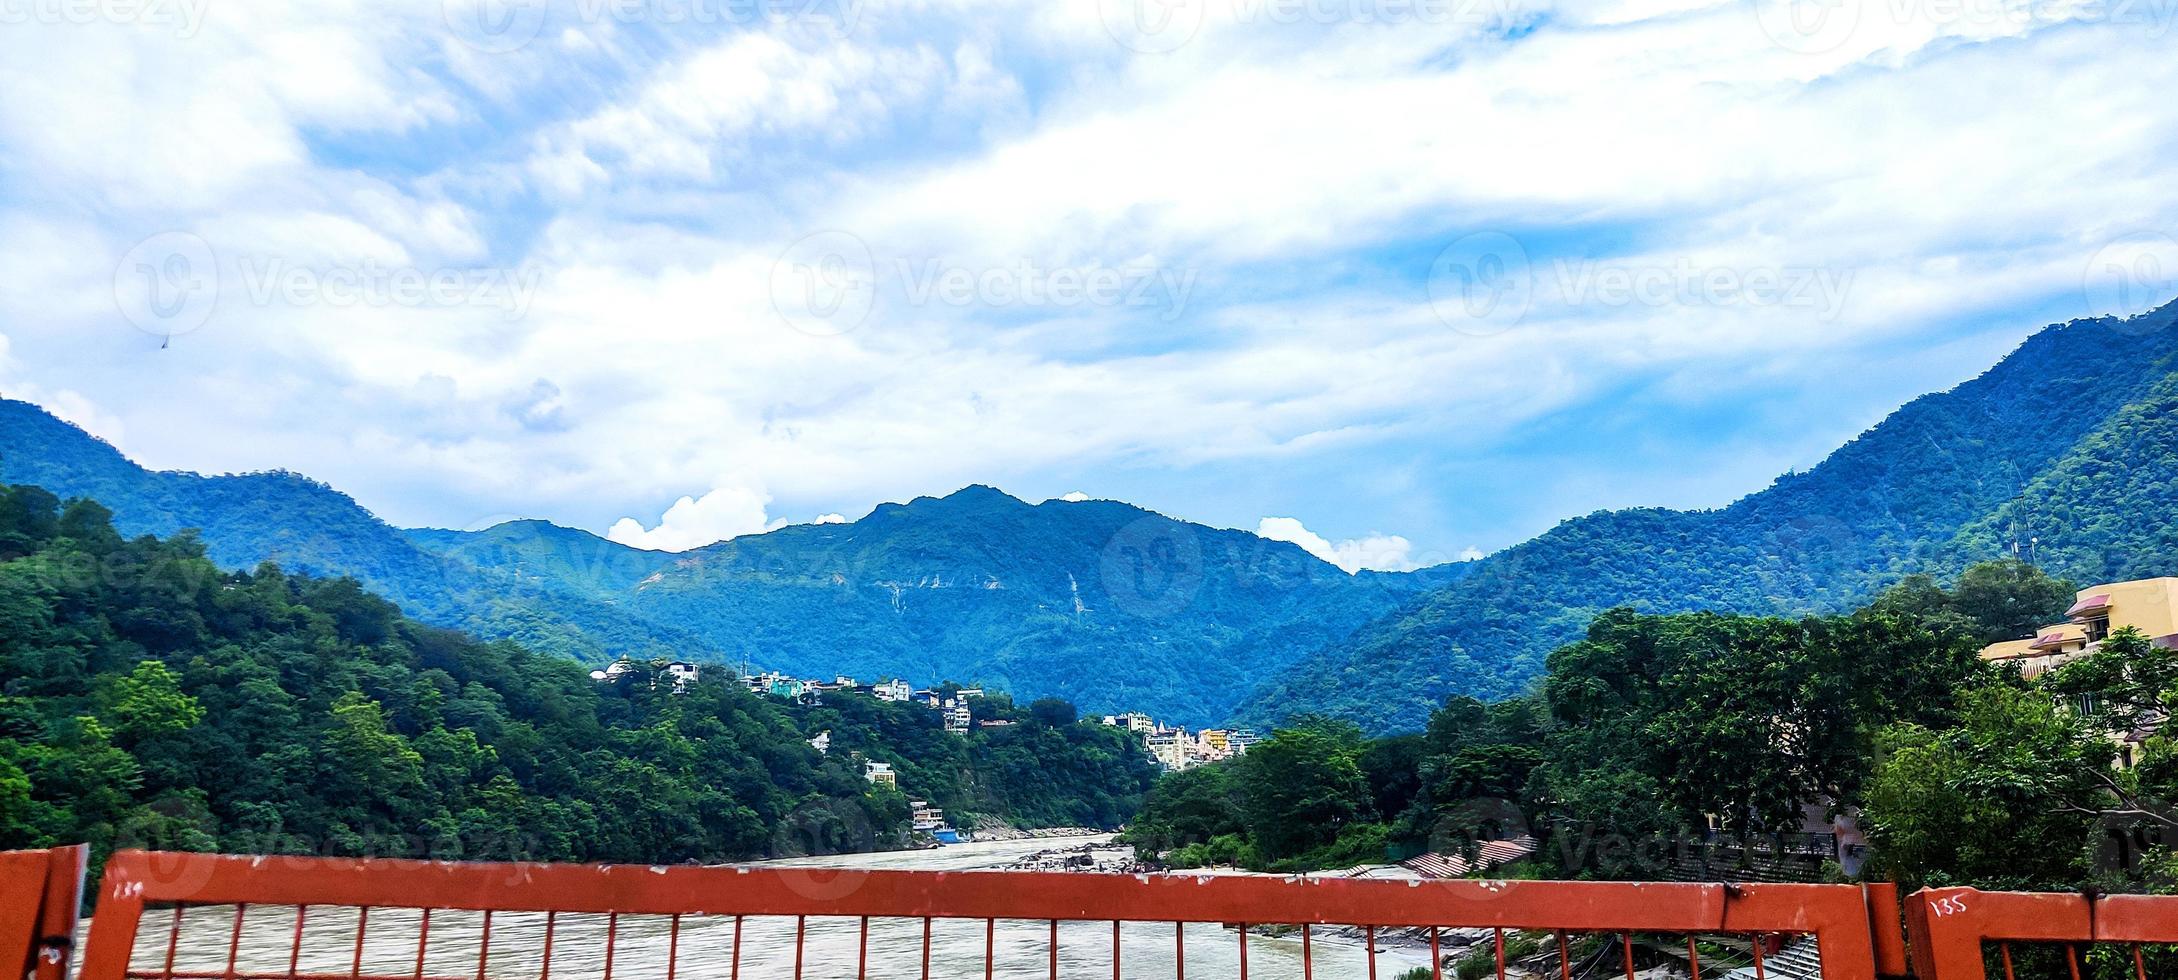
(1951,928)
(355,896)
(41,893)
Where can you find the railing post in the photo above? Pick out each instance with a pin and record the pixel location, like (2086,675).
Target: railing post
(41,893)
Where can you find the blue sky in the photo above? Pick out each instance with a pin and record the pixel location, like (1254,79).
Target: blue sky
(1403,279)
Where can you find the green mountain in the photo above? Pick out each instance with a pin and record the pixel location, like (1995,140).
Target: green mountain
(1108,605)
(148,698)
(305,526)
(2061,447)
(1100,602)
(2070,439)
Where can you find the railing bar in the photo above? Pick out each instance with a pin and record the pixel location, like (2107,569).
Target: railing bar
(1565,956)
(1693,960)
(2072,959)
(234,940)
(735,973)
(1115,949)
(801,925)
(2005,951)
(2140,966)
(612,937)
(362,925)
(1626,942)
(484,947)
(173,940)
(1179,951)
(1497,938)
(1369,936)
(862,950)
(270,975)
(990,943)
(1243,951)
(673,945)
(1054,949)
(294,952)
(552,922)
(423,942)
(1436,955)
(1308,956)
(926,947)
(1758,940)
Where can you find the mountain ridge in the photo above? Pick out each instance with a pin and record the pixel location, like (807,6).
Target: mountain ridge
(1118,607)
(1890,502)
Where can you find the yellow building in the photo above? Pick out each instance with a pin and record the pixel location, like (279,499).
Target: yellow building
(2149,605)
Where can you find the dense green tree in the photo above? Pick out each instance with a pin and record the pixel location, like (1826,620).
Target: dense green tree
(147,697)
(1301,787)
(2006,799)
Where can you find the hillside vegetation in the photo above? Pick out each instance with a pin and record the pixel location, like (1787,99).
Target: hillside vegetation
(149,697)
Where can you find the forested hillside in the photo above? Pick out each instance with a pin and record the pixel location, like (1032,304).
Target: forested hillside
(1109,605)
(149,697)
(2068,439)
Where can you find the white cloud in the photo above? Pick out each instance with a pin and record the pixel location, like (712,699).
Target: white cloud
(1304,182)
(726,512)
(1384,552)
(830,519)
(1075,497)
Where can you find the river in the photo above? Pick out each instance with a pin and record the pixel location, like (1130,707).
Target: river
(706,947)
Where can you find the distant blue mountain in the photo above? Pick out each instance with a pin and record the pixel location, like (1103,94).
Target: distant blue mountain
(2072,439)
(1110,605)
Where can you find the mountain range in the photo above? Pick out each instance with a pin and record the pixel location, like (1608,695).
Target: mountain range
(2067,447)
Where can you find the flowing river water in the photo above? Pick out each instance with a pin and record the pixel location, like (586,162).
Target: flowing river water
(706,946)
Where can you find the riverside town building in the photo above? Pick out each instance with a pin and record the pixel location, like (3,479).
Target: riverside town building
(2149,605)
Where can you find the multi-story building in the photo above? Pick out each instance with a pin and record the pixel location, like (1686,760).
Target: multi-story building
(2148,605)
(926,817)
(880,774)
(1169,746)
(892,690)
(957,717)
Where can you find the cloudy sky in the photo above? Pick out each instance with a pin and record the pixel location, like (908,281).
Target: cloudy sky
(1398,279)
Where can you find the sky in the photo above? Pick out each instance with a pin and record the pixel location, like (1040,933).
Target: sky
(1402,281)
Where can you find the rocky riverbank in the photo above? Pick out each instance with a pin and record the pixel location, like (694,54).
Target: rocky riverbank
(1095,858)
(1001,832)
